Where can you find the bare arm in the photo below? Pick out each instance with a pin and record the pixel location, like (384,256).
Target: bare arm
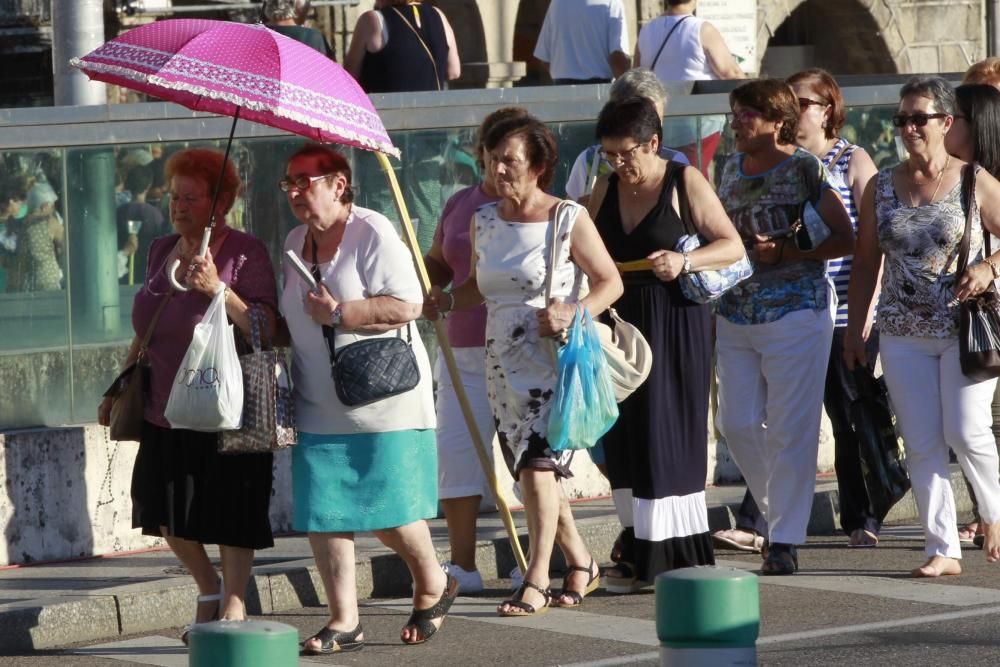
(462,297)
(977,277)
(860,170)
(865,272)
(454,64)
(437,268)
(711,221)
(719,58)
(590,254)
(619,63)
(366,32)
(637,57)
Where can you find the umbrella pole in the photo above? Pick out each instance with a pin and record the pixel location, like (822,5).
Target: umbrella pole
(484,459)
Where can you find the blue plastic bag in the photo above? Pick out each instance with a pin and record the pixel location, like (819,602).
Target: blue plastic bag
(584,406)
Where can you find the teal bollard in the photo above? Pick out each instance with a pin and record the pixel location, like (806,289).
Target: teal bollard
(243,644)
(707,617)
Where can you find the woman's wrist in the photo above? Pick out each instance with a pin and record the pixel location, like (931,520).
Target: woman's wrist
(451,302)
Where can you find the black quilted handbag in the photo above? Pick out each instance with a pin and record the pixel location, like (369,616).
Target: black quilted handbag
(372,369)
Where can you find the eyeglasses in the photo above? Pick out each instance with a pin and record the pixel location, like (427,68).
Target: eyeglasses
(744,116)
(301,184)
(918,119)
(621,157)
(805,103)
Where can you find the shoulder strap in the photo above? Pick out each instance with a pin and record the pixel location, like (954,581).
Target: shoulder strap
(665,40)
(420,39)
(152,324)
(554,224)
(836,158)
(968,199)
(592,171)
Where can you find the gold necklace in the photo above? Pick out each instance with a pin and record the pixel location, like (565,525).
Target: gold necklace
(939,178)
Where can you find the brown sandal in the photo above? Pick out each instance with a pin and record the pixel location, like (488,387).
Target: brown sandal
(592,583)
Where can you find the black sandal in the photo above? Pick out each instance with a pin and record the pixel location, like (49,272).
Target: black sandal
(528,609)
(421,618)
(335,641)
(781,559)
(592,583)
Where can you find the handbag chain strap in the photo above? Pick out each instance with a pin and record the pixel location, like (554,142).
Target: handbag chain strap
(437,77)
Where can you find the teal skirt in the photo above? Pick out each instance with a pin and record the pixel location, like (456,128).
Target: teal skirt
(363,481)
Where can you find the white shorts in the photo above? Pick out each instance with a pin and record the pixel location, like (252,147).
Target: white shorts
(460,473)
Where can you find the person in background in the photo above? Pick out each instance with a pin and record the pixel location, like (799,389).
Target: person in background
(287,16)
(679,46)
(462,484)
(183,489)
(912,223)
(371,466)
(986,72)
(511,243)
(138,224)
(403,46)
(657,451)
(40,234)
(774,329)
(14,188)
(589,164)
(584,41)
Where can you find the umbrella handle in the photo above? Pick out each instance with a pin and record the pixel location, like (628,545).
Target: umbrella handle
(172,274)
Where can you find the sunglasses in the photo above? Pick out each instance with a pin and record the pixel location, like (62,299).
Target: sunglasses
(918,119)
(805,103)
(745,116)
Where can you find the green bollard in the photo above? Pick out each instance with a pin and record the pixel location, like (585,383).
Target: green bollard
(707,616)
(243,644)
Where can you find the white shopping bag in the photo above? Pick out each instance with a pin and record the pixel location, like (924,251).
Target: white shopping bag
(207,394)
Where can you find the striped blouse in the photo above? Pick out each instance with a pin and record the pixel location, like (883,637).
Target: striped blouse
(839,269)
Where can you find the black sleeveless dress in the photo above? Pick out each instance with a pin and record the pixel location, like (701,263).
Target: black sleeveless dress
(403,64)
(657,452)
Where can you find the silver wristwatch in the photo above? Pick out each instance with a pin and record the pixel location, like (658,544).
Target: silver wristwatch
(337,316)
(687,264)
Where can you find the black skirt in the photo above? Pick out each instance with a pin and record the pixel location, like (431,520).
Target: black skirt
(181,482)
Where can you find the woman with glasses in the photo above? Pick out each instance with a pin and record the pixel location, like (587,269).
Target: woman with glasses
(774,329)
(657,451)
(370,466)
(182,489)
(912,223)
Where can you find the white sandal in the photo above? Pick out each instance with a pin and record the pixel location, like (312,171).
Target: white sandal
(215,597)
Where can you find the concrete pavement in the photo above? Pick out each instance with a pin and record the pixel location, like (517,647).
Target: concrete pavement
(51,605)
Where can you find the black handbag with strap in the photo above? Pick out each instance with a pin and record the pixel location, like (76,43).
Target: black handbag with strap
(979,316)
(372,369)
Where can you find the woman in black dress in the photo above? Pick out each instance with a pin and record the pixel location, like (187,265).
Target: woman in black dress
(657,451)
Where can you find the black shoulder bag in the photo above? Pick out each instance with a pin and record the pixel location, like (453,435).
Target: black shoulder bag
(979,316)
(371,369)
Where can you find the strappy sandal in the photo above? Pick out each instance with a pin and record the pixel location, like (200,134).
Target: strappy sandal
(781,559)
(421,618)
(625,582)
(215,597)
(592,583)
(335,641)
(527,609)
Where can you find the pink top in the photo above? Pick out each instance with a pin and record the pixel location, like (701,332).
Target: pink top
(242,263)
(466,328)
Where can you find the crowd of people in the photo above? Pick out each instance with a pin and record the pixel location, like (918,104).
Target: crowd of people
(875,277)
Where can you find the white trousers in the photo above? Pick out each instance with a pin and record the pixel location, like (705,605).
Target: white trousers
(771,382)
(460,474)
(938,407)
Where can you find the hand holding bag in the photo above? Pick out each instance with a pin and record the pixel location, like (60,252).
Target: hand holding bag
(705,286)
(208,391)
(584,405)
(128,390)
(882,463)
(268,405)
(627,353)
(979,316)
